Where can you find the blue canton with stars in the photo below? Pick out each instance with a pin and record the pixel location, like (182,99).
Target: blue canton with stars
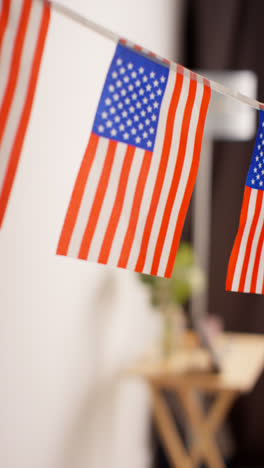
(255,177)
(129,106)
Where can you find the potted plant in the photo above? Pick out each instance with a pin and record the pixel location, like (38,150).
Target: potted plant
(170,295)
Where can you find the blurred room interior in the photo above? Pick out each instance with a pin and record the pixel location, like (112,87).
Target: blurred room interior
(71,330)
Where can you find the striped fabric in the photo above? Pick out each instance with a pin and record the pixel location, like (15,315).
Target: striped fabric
(23,28)
(135,182)
(246,264)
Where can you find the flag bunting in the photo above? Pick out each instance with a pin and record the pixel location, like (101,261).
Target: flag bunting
(246,264)
(135,182)
(23,29)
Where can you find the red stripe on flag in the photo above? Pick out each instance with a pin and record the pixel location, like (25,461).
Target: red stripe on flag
(191,180)
(180,69)
(262,291)
(98,201)
(206,82)
(236,247)
(130,233)
(117,207)
(176,176)
(15,64)
(249,241)
(161,172)
(20,134)
(256,263)
(4,19)
(77,195)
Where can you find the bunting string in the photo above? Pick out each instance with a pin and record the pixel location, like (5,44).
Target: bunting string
(109,34)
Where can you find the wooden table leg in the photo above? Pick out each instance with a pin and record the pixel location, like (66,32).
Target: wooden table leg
(215,418)
(169,432)
(205,447)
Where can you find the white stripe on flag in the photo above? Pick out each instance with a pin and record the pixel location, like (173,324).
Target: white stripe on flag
(260,277)
(153,171)
(87,199)
(21,87)
(184,178)
(108,202)
(244,240)
(169,173)
(127,207)
(8,44)
(253,249)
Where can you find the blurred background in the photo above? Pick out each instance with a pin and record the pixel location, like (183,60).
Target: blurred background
(69,328)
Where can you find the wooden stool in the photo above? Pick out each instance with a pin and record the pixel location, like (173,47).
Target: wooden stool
(186,373)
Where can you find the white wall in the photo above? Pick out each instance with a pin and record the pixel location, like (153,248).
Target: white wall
(67,326)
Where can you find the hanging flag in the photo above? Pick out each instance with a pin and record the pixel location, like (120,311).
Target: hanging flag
(23,29)
(246,264)
(134,185)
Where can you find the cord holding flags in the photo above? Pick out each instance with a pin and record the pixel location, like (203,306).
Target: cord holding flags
(108,33)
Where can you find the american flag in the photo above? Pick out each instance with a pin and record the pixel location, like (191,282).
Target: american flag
(135,182)
(246,264)
(23,29)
